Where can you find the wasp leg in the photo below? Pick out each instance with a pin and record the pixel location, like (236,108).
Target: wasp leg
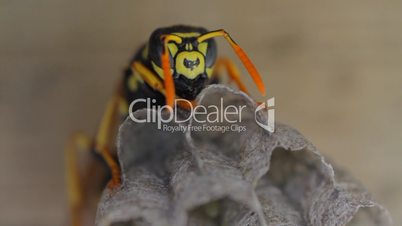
(152,80)
(105,137)
(187,105)
(74,180)
(255,75)
(148,76)
(232,71)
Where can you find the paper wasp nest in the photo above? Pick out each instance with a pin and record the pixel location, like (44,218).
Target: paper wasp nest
(248,178)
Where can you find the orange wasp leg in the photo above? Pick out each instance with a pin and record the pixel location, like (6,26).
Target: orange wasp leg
(168,78)
(232,70)
(255,75)
(153,80)
(75,189)
(148,76)
(79,177)
(105,137)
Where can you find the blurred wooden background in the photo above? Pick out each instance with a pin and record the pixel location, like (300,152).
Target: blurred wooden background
(334,68)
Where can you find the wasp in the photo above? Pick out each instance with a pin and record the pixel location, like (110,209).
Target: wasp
(177,62)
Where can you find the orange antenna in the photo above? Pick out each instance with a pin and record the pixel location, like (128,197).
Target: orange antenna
(167,74)
(240,53)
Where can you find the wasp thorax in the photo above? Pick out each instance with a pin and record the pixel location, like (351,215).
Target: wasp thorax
(190,64)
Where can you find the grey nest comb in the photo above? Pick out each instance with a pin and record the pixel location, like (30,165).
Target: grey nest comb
(248,178)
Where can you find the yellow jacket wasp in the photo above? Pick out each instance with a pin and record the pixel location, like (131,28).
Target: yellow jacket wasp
(177,62)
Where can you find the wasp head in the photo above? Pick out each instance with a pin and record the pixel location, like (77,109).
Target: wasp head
(191,62)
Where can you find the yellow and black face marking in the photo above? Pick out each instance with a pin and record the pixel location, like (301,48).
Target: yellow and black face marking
(191,62)
(189,59)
